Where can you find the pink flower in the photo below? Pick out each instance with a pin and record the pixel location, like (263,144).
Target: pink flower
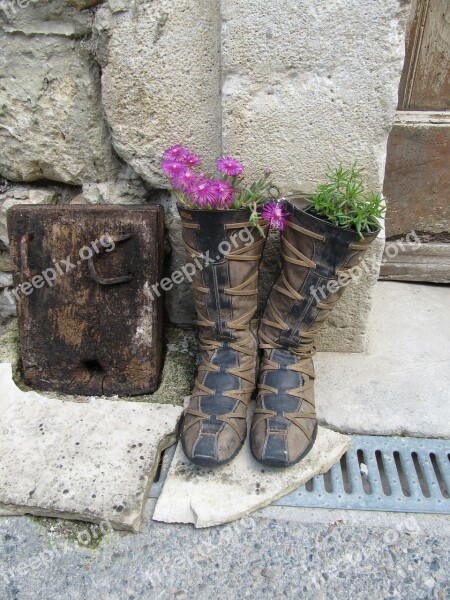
(191,160)
(203,192)
(276,215)
(229,166)
(224,193)
(186,180)
(172,168)
(267,171)
(176,153)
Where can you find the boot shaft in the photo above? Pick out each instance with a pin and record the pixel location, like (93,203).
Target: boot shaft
(226,250)
(318,259)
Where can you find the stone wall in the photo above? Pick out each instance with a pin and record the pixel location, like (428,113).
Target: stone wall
(91,93)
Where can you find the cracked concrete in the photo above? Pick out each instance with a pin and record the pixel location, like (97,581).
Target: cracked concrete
(207,497)
(91,461)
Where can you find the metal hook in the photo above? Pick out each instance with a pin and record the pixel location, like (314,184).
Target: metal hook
(109,280)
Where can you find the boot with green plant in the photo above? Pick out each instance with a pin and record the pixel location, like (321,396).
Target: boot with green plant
(324,236)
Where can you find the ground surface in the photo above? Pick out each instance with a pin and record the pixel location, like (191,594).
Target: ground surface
(276,553)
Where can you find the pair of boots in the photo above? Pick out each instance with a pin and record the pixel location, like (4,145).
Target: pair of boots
(317,262)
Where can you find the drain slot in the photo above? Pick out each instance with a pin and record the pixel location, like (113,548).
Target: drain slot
(401,474)
(438,474)
(345,477)
(383,476)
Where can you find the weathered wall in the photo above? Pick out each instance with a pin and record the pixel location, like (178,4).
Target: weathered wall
(91,93)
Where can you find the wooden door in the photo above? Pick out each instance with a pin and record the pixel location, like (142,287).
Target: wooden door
(417,177)
(89,322)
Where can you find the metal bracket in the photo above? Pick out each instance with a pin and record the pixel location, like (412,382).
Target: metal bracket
(110,280)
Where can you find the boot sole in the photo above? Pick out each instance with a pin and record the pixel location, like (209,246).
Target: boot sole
(267,462)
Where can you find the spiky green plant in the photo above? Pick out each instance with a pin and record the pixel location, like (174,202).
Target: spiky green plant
(343,201)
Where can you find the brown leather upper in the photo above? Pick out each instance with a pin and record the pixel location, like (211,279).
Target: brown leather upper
(317,262)
(226,290)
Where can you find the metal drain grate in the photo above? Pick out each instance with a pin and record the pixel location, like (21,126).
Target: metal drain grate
(163,469)
(391,474)
(382,473)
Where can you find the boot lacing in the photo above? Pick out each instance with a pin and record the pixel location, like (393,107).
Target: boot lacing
(305,351)
(243,323)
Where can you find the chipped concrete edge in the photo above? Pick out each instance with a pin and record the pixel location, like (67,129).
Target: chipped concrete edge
(346,443)
(132,523)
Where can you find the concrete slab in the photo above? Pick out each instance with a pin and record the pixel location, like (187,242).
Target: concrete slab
(207,497)
(92,460)
(402,385)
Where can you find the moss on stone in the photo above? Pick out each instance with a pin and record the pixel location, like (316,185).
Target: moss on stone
(10,343)
(80,533)
(179,367)
(10,352)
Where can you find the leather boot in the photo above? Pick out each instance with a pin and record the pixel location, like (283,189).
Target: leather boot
(317,265)
(215,426)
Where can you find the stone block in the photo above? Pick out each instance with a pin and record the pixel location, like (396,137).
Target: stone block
(308,84)
(21,195)
(126,187)
(118,5)
(401,386)
(45,17)
(161,81)
(56,129)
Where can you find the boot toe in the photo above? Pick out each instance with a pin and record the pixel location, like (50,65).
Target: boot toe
(212,449)
(280,449)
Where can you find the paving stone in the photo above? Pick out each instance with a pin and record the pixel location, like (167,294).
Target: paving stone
(90,461)
(206,497)
(402,385)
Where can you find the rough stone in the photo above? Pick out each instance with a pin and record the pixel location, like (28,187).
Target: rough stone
(16,196)
(313,89)
(44,17)
(161,81)
(21,195)
(91,461)
(401,387)
(42,196)
(118,5)
(207,497)
(5,280)
(7,307)
(125,188)
(56,129)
